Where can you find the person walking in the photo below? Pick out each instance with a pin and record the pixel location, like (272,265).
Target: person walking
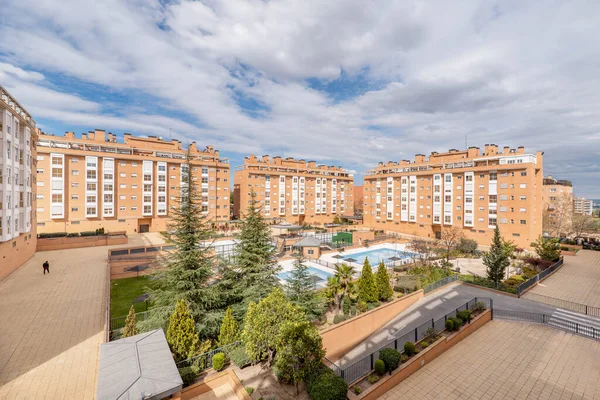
(46,267)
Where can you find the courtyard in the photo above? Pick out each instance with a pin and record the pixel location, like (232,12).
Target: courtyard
(509,360)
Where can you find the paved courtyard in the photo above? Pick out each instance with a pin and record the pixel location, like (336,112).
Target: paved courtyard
(52,325)
(577,281)
(509,360)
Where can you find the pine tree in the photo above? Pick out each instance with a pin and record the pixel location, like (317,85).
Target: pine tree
(382,279)
(299,351)
(188,269)
(255,273)
(130,328)
(497,259)
(181,334)
(300,289)
(263,322)
(367,290)
(229,329)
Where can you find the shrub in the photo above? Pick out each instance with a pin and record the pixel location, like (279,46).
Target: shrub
(346,308)
(362,306)
(403,358)
(88,233)
(357,390)
(188,376)
(374,378)
(73,234)
(479,306)
(391,358)
(379,367)
(457,323)
(239,357)
(424,344)
(429,334)
(218,361)
(467,246)
(281,376)
(464,315)
(52,235)
(409,349)
(449,325)
(250,390)
(339,318)
(373,305)
(324,384)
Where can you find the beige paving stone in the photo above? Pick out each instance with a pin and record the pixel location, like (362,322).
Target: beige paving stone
(509,360)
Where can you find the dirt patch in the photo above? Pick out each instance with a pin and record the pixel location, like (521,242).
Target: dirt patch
(266,385)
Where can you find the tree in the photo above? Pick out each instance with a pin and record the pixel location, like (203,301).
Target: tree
(423,247)
(300,288)
(344,274)
(583,224)
(130,328)
(263,322)
(181,334)
(229,329)
(367,290)
(557,217)
(299,350)
(450,238)
(255,272)
(337,220)
(382,280)
(189,267)
(497,259)
(333,291)
(467,246)
(547,248)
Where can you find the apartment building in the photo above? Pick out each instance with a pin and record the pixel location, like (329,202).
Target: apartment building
(469,189)
(293,190)
(96,182)
(583,206)
(17,188)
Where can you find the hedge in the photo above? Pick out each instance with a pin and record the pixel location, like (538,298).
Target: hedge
(324,384)
(390,357)
(51,235)
(188,376)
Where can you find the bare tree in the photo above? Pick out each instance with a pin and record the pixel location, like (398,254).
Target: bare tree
(583,224)
(450,239)
(423,247)
(557,217)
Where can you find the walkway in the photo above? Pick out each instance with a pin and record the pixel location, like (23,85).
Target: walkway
(52,325)
(509,360)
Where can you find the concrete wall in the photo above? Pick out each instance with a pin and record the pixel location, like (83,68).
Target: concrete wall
(343,337)
(212,382)
(387,382)
(16,252)
(359,237)
(62,243)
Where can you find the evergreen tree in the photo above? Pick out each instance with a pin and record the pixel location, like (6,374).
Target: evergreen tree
(547,248)
(497,259)
(181,334)
(255,272)
(130,328)
(229,329)
(367,290)
(342,281)
(263,322)
(382,279)
(299,351)
(188,269)
(300,289)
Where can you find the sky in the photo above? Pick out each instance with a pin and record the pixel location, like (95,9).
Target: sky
(342,82)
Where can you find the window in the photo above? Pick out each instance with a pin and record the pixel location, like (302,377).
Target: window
(74,184)
(133,208)
(134,175)
(108,198)
(74,209)
(90,199)
(147,209)
(492,221)
(523,173)
(74,197)
(523,185)
(108,187)
(73,172)
(522,209)
(523,197)
(91,174)
(122,197)
(122,174)
(57,198)
(91,187)
(447,219)
(516,234)
(493,198)
(493,176)
(90,211)
(523,222)
(122,208)
(122,186)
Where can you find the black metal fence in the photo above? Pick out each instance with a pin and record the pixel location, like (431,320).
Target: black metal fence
(567,305)
(440,283)
(365,365)
(204,361)
(538,278)
(119,322)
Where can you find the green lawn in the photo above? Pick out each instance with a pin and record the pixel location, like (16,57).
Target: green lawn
(124,291)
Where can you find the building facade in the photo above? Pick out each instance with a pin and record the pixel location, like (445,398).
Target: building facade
(468,189)
(583,206)
(96,182)
(557,206)
(17,184)
(296,191)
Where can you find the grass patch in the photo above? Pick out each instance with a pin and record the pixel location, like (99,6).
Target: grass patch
(124,291)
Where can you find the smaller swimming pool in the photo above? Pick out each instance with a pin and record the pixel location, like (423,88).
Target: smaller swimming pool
(377,255)
(321,275)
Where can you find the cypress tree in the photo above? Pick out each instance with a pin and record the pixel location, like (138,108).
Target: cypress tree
(367,290)
(181,334)
(130,328)
(229,329)
(497,259)
(384,288)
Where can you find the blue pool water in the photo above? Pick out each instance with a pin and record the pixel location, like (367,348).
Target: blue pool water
(377,255)
(322,275)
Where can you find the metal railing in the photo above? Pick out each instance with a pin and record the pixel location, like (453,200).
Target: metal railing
(538,278)
(442,282)
(119,322)
(365,365)
(565,304)
(561,323)
(204,360)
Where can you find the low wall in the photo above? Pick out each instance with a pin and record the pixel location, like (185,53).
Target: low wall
(62,243)
(212,382)
(387,382)
(343,337)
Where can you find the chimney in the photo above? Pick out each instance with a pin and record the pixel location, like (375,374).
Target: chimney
(265,158)
(521,150)
(506,150)
(126,137)
(251,158)
(312,164)
(100,135)
(193,148)
(419,158)
(69,135)
(473,152)
(277,160)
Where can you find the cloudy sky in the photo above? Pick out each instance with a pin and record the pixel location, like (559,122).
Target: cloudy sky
(343,82)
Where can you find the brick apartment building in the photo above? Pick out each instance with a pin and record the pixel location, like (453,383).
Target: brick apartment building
(17,184)
(469,189)
(583,206)
(96,182)
(293,190)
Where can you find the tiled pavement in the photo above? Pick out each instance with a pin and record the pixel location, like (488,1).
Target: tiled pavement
(509,360)
(224,392)
(52,325)
(577,281)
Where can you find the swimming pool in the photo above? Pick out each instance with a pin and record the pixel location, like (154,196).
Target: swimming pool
(320,274)
(377,255)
